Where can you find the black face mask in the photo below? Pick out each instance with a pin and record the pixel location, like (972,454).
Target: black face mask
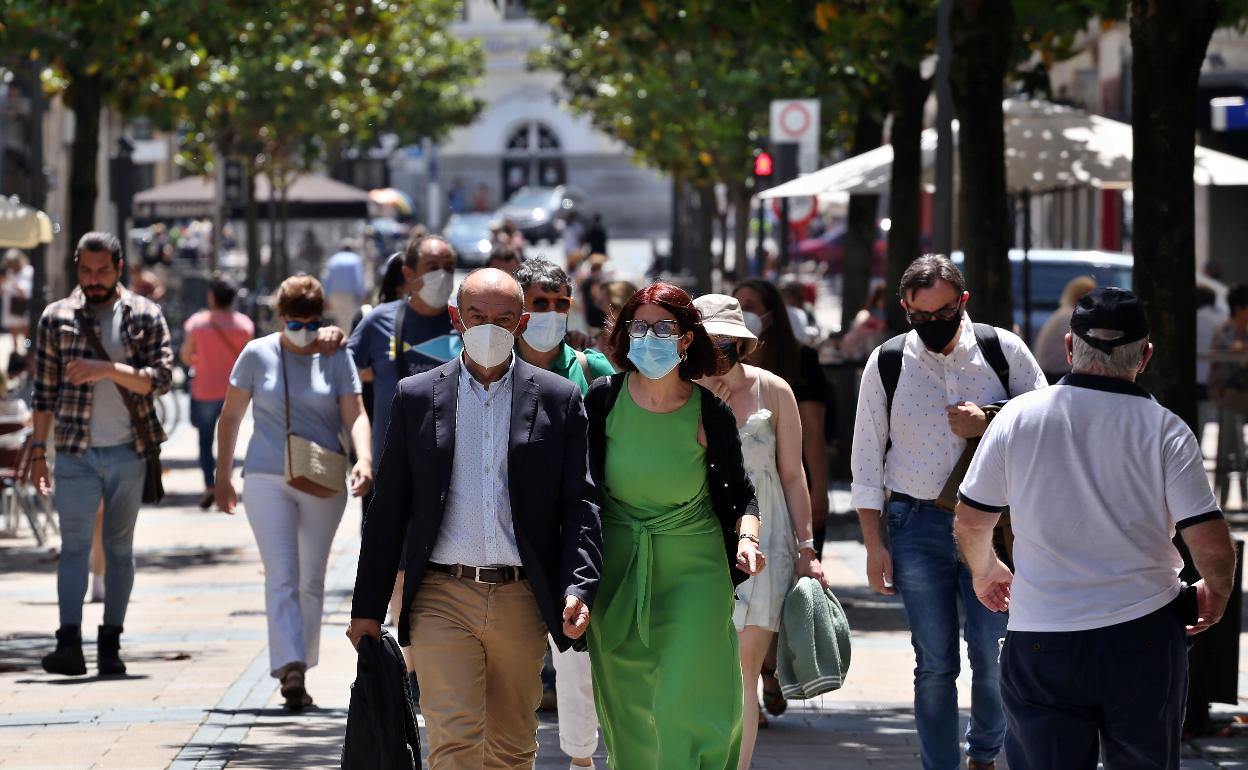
(729,349)
(936,334)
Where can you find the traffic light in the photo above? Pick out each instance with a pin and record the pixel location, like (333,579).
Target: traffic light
(764,167)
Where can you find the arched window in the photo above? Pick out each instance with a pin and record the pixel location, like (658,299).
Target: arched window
(533,156)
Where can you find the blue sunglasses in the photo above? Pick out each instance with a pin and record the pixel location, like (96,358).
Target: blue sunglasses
(311,326)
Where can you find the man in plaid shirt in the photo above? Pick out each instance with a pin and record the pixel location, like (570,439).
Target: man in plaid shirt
(101,450)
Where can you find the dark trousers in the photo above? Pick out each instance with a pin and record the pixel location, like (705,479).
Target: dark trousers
(1069,694)
(204,415)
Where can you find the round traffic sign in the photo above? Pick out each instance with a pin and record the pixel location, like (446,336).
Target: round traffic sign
(794,119)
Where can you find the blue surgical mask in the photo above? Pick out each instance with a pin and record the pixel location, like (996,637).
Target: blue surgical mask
(654,356)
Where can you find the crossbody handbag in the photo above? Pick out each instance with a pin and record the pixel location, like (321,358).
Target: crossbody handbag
(153,484)
(311,467)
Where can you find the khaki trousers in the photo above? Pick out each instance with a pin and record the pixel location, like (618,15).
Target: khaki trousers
(478,651)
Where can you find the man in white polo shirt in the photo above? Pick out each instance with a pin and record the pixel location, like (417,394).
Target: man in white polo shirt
(1097,476)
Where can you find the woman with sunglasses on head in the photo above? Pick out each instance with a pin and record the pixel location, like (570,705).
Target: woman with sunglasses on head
(294,390)
(771,443)
(680,529)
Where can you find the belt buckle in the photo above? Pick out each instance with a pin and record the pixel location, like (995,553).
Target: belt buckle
(476,576)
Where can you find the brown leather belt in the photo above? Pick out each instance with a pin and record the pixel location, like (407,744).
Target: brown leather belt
(488,575)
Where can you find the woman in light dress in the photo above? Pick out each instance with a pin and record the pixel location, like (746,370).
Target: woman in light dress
(771,443)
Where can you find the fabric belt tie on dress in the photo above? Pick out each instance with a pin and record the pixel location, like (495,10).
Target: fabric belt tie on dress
(626,607)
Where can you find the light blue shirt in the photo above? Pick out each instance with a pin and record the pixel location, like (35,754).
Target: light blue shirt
(344,274)
(477,529)
(316,384)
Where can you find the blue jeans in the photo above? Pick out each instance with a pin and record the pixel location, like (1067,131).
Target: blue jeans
(930,578)
(204,415)
(115,475)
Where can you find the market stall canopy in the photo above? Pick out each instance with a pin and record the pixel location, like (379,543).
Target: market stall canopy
(310,196)
(1047,147)
(23,227)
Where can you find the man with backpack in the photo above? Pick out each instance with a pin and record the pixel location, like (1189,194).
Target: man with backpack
(922,399)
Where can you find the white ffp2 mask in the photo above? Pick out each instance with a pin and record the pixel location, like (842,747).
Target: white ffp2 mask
(436,288)
(546,330)
(488,345)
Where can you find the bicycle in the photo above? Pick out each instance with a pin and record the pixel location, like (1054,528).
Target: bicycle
(169,405)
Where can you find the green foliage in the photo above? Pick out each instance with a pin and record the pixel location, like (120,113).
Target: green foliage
(307,78)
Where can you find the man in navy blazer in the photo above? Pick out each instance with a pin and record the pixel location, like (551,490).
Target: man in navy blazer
(485,476)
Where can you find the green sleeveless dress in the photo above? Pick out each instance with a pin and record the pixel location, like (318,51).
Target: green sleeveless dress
(663,650)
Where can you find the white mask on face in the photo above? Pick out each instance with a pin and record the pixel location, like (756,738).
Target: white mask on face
(301,338)
(753,323)
(546,330)
(436,288)
(488,345)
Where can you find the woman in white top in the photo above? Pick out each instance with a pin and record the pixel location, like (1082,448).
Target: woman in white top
(293,390)
(771,444)
(15,291)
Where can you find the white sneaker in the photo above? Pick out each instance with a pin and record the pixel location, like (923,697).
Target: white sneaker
(97,588)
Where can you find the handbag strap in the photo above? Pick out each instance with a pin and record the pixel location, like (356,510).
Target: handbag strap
(93,339)
(229,344)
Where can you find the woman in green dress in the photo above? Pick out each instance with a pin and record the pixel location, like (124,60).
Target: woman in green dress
(680,530)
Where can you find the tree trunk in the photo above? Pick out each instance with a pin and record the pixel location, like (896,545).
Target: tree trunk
(251,214)
(909,92)
(740,195)
(860,223)
(37,194)
(1169,41)
(86,101)
(705,253)
(982,32)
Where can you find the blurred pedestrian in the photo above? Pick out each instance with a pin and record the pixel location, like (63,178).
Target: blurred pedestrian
(505,258)
(548,301)
(106,431)
(505,233)
(18,281)
(771,444)
(1050,341)
(456,197)
(295,392)
(390,288)
(405,337)
(213,340)
(800,318)
(495,559)
(1208,320)
(573,231)
(680,529)
(1094,664)
(596,236)
(922,398)
(481,199)
(869,327)
(343,280)
(146,283)
(611,297)
(779,352)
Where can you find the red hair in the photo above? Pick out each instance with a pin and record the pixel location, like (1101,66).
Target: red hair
(702,358)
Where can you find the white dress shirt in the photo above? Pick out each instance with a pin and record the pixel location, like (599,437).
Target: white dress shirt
(477,529)
(924,450)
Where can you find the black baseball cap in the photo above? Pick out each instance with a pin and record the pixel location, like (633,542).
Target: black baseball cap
(1111,309)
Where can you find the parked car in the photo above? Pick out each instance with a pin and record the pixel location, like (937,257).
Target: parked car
(535,209)
(829,247)
(470,235)
(1052,269)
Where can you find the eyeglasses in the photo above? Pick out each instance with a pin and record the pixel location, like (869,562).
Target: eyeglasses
(947,313)
(543,305)
(311,326)
(638,328)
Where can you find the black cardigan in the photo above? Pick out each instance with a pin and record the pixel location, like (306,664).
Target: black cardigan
(732,494)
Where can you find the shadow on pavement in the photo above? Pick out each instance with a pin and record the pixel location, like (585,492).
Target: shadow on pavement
(311,739)
(869,611)
(30,559)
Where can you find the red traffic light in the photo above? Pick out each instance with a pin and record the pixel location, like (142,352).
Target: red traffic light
(762,164)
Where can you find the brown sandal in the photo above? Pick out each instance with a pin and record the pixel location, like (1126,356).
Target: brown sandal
(773,698)
(293,690)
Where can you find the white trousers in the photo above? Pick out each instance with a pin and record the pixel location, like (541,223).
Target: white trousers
(574,687)
(294,531)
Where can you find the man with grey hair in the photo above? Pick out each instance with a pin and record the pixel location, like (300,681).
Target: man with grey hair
(1098,477)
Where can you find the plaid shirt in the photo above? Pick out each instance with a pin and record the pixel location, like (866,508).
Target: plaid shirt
(59,340)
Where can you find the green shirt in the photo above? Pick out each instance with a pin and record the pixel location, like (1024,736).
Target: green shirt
(567,365)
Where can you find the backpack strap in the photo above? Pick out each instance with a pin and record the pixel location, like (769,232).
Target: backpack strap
(889,362)
(990,344)
(583,360)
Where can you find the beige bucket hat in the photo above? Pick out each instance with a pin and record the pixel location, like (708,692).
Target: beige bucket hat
(721,316)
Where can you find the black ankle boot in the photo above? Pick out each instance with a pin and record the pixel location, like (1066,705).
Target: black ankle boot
(108,651)
(68,658)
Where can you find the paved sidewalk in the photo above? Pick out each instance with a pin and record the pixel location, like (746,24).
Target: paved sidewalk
(199,695)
